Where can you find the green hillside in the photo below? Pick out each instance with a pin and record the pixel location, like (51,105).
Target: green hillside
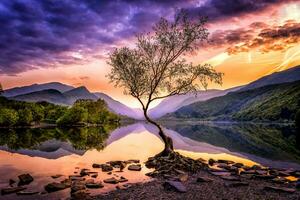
(269,103)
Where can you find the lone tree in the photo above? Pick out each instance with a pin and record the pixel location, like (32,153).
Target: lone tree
(155,68)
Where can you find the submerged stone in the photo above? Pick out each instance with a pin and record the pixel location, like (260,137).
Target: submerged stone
(25,179)
(135,167)
(27,193)
(106,168)
(11,190)
(112,180)
(55,186)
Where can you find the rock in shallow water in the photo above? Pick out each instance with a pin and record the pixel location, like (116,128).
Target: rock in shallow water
(135,167)
(175,185)
(53,187)
(25,179)
(11,190)
(112,180)
(27,193)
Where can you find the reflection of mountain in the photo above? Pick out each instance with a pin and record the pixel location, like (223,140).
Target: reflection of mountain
(268,145)
(271,146)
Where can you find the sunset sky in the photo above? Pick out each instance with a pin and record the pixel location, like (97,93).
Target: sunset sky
(69,40)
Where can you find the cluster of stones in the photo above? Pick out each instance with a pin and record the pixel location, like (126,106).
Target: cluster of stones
(235,173)
(78,183)
(173,164)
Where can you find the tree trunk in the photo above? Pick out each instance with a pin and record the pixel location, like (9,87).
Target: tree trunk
(167,140)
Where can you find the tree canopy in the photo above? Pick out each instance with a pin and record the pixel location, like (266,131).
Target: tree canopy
(156,67)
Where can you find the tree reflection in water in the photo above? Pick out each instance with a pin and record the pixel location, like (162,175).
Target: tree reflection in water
(81,138)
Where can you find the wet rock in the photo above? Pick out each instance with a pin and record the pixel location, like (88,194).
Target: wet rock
(77,186)
(84,172)
(211,162)
(55,186)
(112,180)
(202,179)
(222,165)
(248,176)
(109,173)
(123,179)
(283,173)
(221,173)
(238,165)
(76,178)
(231,178)
(25,179)
(11,190)
(94,175)
(225,161)
(256,167)
(236,184)
(280,180)
(27,193)
(118,164)
(135,167)
(11,182)
(67,182)
(56,176)
(175,186)
(261,172)
(279,189)
(96,165)
(94,185)
(106,168)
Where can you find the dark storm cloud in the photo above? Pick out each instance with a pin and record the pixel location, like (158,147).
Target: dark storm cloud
(49,33)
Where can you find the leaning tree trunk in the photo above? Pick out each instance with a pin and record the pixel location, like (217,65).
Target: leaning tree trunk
(168,149)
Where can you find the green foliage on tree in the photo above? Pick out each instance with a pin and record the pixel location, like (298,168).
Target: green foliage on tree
(25,117)
(82,112)
(73,116)
(8,117)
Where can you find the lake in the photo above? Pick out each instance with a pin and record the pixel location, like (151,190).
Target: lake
(43,152)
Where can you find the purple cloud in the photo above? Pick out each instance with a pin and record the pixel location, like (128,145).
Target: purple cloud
(50,33)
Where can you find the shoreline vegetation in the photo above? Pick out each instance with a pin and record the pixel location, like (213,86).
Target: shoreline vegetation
(17,114)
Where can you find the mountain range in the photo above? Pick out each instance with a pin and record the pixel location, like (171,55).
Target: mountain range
(180,105)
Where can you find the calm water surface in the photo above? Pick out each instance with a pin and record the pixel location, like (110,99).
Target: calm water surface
(49,151)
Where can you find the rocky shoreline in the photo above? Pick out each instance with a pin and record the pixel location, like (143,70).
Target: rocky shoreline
(212,179)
